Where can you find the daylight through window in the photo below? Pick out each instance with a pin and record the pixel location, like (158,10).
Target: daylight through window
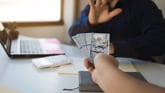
(30,10)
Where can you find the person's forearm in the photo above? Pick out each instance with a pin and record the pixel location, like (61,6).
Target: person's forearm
(120,82)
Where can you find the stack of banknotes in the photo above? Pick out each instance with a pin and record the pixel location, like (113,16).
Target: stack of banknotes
(92,44)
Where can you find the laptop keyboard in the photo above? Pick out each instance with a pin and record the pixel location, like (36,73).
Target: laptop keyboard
(30,47)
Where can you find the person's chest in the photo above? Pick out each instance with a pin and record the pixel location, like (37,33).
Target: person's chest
(126,25)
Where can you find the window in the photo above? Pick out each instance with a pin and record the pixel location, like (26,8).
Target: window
(31,11)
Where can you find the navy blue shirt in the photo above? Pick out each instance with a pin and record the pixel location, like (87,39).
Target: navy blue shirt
(138,32)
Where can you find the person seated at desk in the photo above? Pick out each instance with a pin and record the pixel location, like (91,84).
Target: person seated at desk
(136,27)
(112,80)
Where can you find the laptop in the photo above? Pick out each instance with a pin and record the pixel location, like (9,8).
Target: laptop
(30,47)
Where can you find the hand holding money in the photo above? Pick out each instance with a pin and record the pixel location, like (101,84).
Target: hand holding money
(92,44)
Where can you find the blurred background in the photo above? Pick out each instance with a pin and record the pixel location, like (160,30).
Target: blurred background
(67,13)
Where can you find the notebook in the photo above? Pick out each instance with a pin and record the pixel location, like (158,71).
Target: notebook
(87,85)
(31,47)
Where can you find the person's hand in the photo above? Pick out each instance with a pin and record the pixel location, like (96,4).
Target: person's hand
(102,62)
(99,12)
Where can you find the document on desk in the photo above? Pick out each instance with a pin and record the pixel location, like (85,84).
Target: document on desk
(126,66)
(5,89)
(78,65)
(73,69)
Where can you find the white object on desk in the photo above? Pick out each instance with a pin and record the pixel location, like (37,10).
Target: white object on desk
(51,61)
(126,66)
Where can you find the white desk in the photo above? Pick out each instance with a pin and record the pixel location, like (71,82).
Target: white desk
(21,75)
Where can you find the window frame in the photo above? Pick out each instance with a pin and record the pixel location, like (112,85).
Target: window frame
(44,23)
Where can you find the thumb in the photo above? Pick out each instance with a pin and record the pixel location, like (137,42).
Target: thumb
(115,12)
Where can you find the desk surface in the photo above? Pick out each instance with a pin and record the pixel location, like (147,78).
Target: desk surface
(21,75)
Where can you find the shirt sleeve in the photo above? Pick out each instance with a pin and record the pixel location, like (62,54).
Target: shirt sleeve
(80,25)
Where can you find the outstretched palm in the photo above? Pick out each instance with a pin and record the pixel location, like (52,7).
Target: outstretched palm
(99,12)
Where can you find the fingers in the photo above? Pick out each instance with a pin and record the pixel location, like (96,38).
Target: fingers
(105,61)
(98,3)
(91,3)
(104,2)
(113,3)
(114,13)
(88,65)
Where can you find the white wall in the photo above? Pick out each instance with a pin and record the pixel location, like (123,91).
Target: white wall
(82,4)
(161,5)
